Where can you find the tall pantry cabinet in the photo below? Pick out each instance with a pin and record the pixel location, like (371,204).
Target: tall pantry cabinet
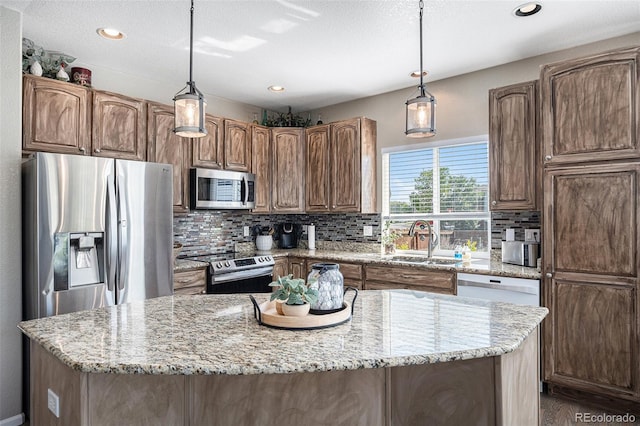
(591,153)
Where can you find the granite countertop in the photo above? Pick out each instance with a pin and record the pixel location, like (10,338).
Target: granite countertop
(188,265)
(477,266)
(218,334)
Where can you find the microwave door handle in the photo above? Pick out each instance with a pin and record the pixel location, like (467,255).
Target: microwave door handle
(244,192)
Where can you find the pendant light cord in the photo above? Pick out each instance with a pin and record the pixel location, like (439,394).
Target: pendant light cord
(191,84)
(421,71)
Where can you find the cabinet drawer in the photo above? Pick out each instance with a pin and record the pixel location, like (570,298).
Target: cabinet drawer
(378,277)
(349,282)
(351,270)
(189,279)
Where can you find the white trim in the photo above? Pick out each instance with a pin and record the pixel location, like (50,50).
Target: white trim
(435,144)
(13,421)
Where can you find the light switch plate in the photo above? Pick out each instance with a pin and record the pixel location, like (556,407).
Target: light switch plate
(53,403)
(246,231)
(367,230)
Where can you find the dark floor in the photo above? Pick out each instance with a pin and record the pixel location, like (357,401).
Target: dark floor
(559,412)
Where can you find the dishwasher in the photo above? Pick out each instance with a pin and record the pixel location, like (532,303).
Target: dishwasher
(520,291)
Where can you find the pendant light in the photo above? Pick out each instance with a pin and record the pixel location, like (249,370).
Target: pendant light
(189,103)
(421,110)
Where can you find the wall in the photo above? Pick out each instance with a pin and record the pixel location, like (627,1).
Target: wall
(10,225)
(463,102)
(159,91)
(203,231)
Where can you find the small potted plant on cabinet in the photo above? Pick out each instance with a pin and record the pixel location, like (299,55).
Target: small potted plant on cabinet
(293,296)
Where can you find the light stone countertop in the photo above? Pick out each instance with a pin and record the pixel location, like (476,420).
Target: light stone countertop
(218,334)
(188,265)
(477,266)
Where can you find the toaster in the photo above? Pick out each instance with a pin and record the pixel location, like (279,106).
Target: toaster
(523,253)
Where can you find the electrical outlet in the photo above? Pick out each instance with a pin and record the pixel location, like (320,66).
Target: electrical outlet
(53,403)
(246,231)
(367,230)
(532,235)
(305,228)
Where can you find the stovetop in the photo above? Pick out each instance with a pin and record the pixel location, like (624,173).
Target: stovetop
(221,263)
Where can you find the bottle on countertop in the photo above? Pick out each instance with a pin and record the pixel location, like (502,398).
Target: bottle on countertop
(457,252)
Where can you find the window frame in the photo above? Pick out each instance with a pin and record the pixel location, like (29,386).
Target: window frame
(435,217)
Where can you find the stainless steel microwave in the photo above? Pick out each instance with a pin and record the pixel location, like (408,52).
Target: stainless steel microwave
(221,189)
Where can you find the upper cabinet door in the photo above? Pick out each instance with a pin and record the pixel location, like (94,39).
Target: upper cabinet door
(318,168)
(208,151)
(55,116)
(288,170)
(261,167)
(164,146)
(345,166)
(237,146)
(119,126)
(513,147)
(590,108)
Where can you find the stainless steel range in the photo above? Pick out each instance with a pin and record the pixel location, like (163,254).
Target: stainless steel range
(234,273)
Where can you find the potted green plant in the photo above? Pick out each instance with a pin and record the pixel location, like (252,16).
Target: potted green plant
(294,295)
(389,238)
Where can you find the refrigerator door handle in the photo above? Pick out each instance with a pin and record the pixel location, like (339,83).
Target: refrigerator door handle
(112,235)
(124,246)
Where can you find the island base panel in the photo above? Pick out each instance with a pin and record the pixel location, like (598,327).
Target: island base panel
(493,390)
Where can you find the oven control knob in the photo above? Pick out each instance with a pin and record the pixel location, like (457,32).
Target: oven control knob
(219,265)
(227,264)
(268,259)
(261,259)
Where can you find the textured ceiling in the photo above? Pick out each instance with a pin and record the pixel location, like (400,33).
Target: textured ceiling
(324,52)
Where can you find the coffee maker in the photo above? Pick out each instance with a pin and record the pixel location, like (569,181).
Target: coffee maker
(288,235)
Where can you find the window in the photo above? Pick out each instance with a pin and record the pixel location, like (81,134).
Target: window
(445,184)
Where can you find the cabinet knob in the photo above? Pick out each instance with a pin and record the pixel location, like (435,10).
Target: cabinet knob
(82,149)
(549,275)
(547,158)
(493,203)
(97,150)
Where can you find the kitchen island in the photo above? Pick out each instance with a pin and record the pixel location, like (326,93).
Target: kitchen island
(404,358)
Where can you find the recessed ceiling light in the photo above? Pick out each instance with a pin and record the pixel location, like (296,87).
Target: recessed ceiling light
(416,74)
(276,89)
(527,9)
(110,33)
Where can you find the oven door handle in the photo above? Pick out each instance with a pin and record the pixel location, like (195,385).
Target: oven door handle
(242,275)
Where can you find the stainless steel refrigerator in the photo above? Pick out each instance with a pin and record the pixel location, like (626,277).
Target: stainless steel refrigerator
(96,232)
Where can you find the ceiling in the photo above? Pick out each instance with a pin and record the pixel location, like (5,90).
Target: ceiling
(324,51)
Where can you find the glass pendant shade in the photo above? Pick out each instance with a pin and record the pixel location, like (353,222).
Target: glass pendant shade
(189,111)
(421,116)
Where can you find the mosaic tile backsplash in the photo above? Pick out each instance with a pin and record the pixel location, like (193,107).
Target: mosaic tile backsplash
(218,231)
(518,220)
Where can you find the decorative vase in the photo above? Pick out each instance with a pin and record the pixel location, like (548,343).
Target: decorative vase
(327,279)
(279,304)
(295,310)
(36,68)
(62,74)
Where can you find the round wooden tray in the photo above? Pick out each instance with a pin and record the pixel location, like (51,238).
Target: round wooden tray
(266,314)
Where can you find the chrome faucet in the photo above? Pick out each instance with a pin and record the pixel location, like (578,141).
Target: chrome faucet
(421,224)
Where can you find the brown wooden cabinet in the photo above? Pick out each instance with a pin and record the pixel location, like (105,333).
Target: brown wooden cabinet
(208,151)
(190,282)
(237,145)
(590,108)
(56,116)
(280,267)
(297,267)
(261,167)
(591,229)
(380,277)
(119,126)
(288,170)
(341,167)
(164,146)
(513,147)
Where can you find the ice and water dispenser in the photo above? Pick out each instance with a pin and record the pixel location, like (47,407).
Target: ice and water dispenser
(78,259)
